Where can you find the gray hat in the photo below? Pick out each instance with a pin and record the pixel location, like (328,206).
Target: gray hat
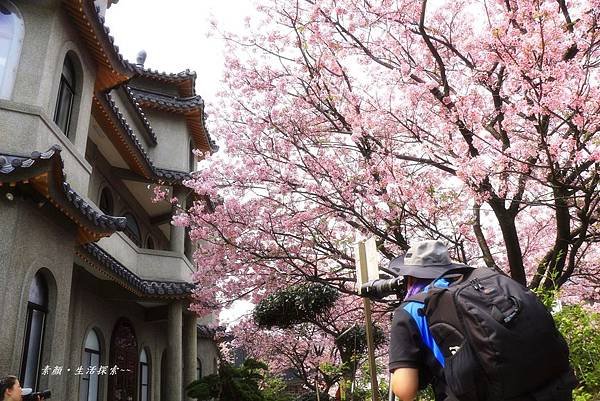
(425,259)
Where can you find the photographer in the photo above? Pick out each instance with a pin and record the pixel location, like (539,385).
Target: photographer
(10,390)
(413,364)
(474,334)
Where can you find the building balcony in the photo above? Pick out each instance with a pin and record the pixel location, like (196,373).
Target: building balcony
(148,264)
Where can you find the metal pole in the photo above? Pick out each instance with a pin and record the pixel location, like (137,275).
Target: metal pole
(362,255)
(391,395)
(317,385)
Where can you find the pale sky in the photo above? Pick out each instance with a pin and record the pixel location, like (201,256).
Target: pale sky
(174,34)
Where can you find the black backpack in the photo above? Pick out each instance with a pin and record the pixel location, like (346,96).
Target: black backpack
(498,340)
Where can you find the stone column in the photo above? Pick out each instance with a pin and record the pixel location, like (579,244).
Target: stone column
(190,350)
(178,233)
(174,352)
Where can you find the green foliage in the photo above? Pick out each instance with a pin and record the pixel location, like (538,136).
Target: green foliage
(313,397)
(294,305)
(581,329)
(362,385)
(426,394)
(231,383)
(274,389)
(354,340)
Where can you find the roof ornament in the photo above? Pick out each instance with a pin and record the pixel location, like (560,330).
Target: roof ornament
(141,58)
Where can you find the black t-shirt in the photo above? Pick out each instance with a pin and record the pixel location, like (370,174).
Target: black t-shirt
(407,350)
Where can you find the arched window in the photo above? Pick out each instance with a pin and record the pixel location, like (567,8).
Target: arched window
(150,243)
(192,157)
(11,39)
(66,97)
(144,389)
(198,368)
(132,229)
(37,310)
(106,202)
(88,391)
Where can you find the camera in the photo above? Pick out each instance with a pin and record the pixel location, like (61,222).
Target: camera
(381,288)
(34,396)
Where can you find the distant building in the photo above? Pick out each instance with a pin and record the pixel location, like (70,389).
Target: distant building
(84,136)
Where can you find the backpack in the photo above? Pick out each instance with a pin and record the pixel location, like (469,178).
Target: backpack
(499,342)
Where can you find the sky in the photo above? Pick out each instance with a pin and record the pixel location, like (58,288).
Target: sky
(174,36)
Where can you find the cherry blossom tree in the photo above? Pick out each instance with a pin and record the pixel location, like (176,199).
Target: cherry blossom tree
(474,122)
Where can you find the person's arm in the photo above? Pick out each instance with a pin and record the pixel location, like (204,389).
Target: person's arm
(405,383)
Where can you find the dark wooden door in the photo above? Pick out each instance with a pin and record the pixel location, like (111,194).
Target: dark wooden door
(122,386)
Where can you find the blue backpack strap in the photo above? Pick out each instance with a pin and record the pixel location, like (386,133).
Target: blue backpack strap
(414,307)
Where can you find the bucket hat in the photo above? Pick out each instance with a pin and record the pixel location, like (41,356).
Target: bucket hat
(425,259)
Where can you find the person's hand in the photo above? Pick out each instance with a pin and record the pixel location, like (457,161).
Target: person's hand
(40,398)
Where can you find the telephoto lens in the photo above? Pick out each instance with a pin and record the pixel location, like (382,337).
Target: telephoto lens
(34,396)
(382,288)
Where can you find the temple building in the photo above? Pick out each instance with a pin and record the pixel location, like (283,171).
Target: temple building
(95,282)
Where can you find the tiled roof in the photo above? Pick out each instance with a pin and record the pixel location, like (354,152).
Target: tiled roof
(27,168)
(165,175)
(185,81)
(127,129)
(148,288)
(171,175)
(95,35)
(192,107)
(208,332)
(183,103)
(178,76)
(140,113)
(94,215)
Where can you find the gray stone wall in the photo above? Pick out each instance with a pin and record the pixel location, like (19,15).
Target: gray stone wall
(207,353)
(37,242)
(173,141)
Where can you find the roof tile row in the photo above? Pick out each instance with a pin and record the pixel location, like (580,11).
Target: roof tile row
(184,103)
(145,287)
(13,165)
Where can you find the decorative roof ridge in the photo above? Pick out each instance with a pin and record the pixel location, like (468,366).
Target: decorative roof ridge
(93,31)
(180,76)
(10,163)
(145,287)
(141,115)
(192,102)
(172,175)
(177,78)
